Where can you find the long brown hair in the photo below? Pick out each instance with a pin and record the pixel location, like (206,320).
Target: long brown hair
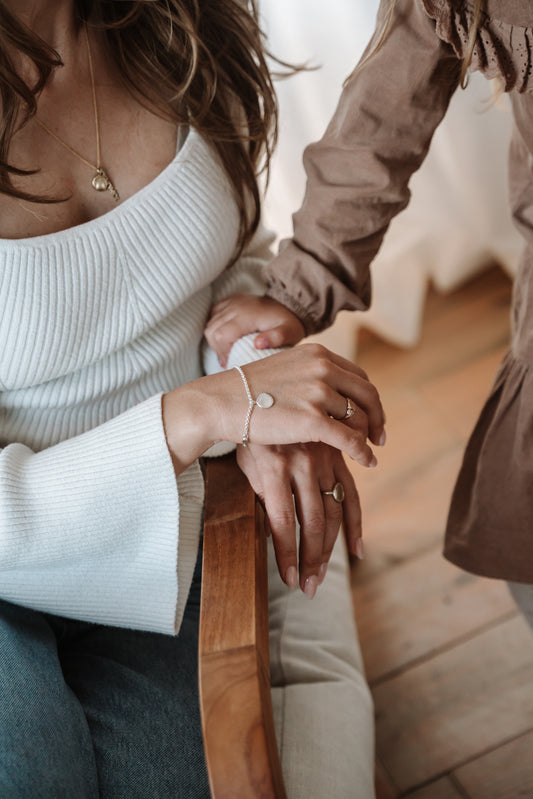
(197,62)
(479,6)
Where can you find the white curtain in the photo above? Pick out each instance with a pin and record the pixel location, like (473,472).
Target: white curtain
(458,220)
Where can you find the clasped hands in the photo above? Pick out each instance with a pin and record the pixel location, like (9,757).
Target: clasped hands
(295,447)
(290,479)
(296,481)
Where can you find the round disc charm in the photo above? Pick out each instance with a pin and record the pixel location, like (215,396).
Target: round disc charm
(264,400)
(100,182)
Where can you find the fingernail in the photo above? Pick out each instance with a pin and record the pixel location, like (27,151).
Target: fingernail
(373,463)
(291,577)
(360,549)
(261,343)
(311,584)
(322,573)
(382,439)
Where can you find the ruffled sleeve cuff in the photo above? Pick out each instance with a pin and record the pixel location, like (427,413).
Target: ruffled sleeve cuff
(502,49)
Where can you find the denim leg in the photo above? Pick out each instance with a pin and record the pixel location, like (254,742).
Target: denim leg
(46,750)
(140,695)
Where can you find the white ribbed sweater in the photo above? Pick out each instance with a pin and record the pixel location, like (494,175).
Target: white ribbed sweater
(97,321)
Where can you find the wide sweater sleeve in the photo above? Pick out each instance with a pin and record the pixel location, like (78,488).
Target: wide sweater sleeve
(89,527)
(358,173)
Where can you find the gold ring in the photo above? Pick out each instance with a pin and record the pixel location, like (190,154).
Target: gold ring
(350,409)
(337,492)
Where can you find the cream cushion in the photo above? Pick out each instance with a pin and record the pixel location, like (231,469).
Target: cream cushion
(323,711)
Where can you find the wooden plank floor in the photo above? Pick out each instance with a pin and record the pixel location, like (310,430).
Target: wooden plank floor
(448,657)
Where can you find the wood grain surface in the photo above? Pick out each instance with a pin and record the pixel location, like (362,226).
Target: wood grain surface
(236,706)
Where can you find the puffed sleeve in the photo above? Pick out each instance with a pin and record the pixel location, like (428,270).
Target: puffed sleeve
(358,173)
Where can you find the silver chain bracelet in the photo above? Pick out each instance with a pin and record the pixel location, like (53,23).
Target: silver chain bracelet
(262,400)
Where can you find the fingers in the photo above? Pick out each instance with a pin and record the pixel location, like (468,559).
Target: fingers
(365,397)
(305,471)
(223,330)
(313,522)
(351,511)
(317,470)
(346,438)
(279,508)
(320,521)
(284,335)
(348,512)
(352,382)
(241,314)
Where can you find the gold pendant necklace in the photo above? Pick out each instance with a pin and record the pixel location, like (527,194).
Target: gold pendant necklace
(101,180)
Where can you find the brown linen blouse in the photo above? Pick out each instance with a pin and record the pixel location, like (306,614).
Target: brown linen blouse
(358,181)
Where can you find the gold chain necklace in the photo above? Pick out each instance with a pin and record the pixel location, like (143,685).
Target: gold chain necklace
(100,181)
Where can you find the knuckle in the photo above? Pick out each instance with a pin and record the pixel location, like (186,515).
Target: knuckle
(360,429)
(313,562)
(314,525)
(282,520)
(313,349)
(285,551)
(373,394)
(317,395)
(326,554)
(323,367)
(359,437)
(335,512)
(278,468)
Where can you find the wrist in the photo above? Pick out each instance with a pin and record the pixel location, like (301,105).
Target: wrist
(186,426)
(201,413)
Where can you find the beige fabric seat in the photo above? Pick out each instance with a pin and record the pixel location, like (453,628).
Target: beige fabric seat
(323,711)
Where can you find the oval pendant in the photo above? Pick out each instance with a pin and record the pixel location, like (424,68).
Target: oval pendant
(264,400)
(100,181)
(338,492)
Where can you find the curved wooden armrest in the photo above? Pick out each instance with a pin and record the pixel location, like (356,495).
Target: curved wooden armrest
(235,702)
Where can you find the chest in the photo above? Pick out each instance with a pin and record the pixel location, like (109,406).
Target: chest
(74,298)
(129,141)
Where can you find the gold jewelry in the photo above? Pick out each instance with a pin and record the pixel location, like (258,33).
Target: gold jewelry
(337,492)
(262,400)
(350,409)
(101,180)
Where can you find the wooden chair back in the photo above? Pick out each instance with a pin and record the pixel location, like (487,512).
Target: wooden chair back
(241,751)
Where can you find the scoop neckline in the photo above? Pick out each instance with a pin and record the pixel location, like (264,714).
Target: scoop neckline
(104,219)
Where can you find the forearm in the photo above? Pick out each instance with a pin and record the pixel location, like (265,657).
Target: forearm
(358,174)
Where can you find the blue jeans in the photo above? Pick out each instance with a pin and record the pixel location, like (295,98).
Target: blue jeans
(89,711)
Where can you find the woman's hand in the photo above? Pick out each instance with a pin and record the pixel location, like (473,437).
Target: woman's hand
(241,314)
(285,478)
(311,387)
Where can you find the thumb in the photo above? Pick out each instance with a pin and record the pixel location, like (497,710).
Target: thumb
(284,335)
